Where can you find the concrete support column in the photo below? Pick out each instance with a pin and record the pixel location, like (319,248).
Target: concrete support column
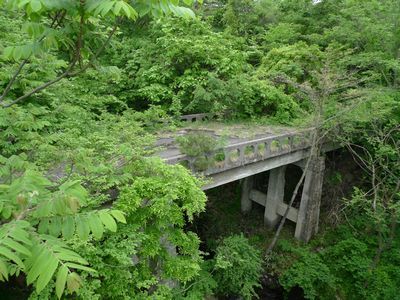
(171,250)
(246,203)
(308,217)
(275,194)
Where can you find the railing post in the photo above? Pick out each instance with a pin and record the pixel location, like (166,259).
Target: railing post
(241,159)
(291,143)
(275,194)
(267,148)
(227,159)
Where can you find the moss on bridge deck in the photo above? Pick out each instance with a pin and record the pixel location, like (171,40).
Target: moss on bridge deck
(240,130)
(229,132)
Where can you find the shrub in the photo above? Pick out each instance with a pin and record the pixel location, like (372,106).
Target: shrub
(311,274)
(199,146)
(238,267)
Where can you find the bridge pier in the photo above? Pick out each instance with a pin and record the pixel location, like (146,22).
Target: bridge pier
(306,217)
(246,204)
(275,196)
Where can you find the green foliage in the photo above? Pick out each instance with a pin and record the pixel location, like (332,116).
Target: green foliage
(34,214)
(282,34)
(249,17)
(185,67)
(138,260)
(341,269)
(95,159)
(237,267)
(174,61)
(202,286)
(61,161)
(352,264)
(359,259)
(201,148)
(76,31)
(258,97)
(68,151)
(197,144)
(296,61)
(310,272)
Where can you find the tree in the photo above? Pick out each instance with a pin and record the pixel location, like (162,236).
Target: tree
(39,211)
(73,27)
(327,85)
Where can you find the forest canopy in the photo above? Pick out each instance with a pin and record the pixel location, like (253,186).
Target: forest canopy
(87,211)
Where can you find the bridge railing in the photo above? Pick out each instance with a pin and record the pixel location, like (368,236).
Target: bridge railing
(197,117)
(244,153)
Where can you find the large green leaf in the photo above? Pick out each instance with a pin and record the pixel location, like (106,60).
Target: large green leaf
(17,247)
(108,221)
(61,280)
(82,227)
(96,226)
(68,227)
(38,261)
(119,216)
(47,273)
(80,267)
(49,255)
(3,270)
(11,256)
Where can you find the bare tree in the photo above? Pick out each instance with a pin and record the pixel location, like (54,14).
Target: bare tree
(332,84)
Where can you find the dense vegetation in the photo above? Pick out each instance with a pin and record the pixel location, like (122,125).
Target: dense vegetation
(87,213)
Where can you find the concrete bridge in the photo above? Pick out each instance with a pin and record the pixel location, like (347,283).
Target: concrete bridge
(244,156)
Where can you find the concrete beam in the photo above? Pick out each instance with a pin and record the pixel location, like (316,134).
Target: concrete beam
(261,198)
(301,163)
(254,168)
(258,197)
(293,212)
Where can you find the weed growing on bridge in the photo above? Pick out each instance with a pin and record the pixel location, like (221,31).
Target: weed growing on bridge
(201,147)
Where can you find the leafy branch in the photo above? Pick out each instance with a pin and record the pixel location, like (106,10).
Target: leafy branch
(33,219)
(87,9)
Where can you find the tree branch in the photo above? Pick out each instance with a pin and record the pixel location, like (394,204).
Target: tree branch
(67,73)
(24,62)
(97,54)
(11,82)
(39,88)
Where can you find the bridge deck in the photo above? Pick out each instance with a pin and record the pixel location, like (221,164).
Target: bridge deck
(231,134)
(247,149)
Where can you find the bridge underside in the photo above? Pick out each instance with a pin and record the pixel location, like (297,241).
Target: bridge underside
(241,172)
(306,216)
